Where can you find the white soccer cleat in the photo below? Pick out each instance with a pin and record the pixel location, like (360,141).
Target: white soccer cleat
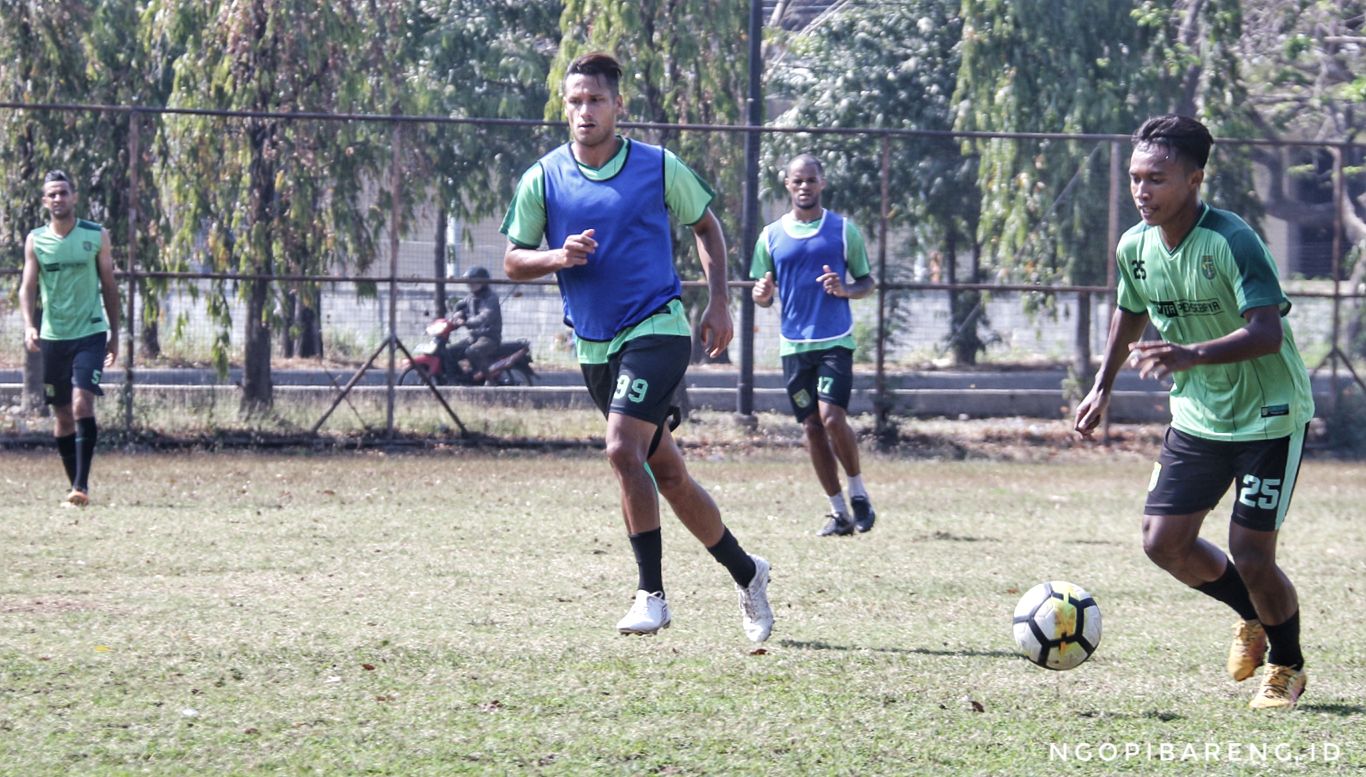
(755,613)
(648,614)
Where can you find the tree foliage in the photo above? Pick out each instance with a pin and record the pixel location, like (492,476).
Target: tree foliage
(885,67)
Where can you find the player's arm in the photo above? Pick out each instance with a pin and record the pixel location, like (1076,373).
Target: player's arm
(856,260)
(761,270)
(109,290)
(525,264)
(717,328)
(28,296)
(1260,336)
(1125,327)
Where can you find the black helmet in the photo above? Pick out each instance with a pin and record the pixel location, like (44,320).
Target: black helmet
(477,272)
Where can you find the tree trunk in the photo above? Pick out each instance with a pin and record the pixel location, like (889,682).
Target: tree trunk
(1081,342)
(289,305)
(257,388)
(151,322)
(309,324)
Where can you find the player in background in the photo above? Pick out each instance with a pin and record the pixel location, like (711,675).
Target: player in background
(803,257)
(1240,402)
(602,202)
(68,262)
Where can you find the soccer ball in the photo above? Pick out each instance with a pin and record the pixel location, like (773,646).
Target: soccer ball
(1057,625)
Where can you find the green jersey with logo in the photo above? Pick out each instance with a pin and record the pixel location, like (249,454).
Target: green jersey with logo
(69,281)
(1198,292)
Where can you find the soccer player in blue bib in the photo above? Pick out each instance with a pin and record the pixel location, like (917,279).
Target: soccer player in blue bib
(804,257)
(602,204)
(68,263)
(1240,398)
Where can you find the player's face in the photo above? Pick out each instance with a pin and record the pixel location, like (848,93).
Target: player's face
(1163,187)
(805,184)
(58,199)
(591,109)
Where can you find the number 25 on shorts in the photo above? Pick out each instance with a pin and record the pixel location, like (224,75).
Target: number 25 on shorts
(633,390)
(1256,492)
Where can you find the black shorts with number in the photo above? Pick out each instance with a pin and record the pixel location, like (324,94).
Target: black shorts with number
(641,378)
(75,363)
(826,375)
(1192,474)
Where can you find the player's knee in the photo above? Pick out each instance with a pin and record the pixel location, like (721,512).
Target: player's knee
(625,454)
(1163,549)
(1254,563)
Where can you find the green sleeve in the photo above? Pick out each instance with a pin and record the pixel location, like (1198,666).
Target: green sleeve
(1256,283)
(525,221)
(762,262)
(685,193)
(855,252)
(1128,297)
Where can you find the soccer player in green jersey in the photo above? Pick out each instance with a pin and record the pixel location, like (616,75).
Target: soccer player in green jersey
(803,258)
(69,263)
(1240,399)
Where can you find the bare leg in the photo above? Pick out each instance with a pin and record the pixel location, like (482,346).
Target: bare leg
(1254,553)
(842,438)
(822,454)
(1173,543)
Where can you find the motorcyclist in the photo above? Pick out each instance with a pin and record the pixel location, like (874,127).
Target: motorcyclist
(481,315)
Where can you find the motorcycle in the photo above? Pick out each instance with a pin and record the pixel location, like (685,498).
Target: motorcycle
(438,361)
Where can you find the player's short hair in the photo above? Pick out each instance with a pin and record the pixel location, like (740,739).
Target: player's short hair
(599,64)
(1184,137)
(805,159)
(57,176)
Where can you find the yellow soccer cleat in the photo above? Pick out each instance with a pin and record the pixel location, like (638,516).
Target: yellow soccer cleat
(1248,650)
(1281,688)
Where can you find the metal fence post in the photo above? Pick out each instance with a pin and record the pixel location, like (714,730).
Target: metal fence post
(881,402)
(749,227)
(130,320)
(394,226)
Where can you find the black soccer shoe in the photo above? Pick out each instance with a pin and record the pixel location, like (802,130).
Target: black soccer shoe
(839,525)
(864,515)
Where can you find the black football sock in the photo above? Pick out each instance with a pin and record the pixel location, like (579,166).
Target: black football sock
(66,448)
(1285,643)
(733,558)
(1231,590)
(649,549)
(86,434)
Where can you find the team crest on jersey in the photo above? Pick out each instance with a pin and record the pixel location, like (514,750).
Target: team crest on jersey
(1136,265)
(802,398)
(1207,266)
(87,245)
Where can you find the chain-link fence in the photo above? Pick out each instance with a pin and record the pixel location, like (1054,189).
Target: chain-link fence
(287,257)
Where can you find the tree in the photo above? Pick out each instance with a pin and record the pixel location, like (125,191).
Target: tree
(685,63)
(287,194)
(464,60)
(885,67)
(1120,64)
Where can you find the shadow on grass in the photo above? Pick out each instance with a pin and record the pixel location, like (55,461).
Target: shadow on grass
(818,645)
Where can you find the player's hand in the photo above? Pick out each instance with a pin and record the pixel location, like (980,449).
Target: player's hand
(111,350)
(1159,359)
(717,329)
(1090,411)
(762,293)
(834,285)
(577,248)
(31,339)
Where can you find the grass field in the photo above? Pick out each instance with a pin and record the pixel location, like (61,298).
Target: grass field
(453,613)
